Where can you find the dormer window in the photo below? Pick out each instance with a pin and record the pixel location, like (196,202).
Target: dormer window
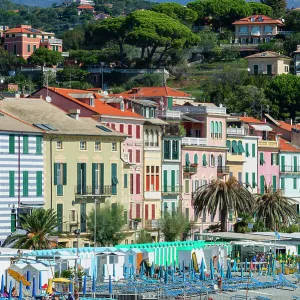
(92,102)
(260,19)
(252,19)
(122,105)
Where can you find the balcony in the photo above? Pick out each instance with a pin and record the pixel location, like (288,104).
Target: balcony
(172,129)
(289,169)
(168,114)
(93,191)
(55,41)
(223,170)
(190,169)
(151,224)
(193,141)
(272,144)
(171,190)
(236,131)
(151,144)
(201,110)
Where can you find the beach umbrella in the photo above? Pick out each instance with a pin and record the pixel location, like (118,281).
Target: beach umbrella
(103,271)
(234,268)
(152,270)
(219,266)
(221,272)
(298,267)
(10,290)
(174,265)
(259,269)
(71,290)
(179,269)
(228,273)
(94,283)
(269,269)
(49,287)
(246,265)
(84,286)
(124,270)
(2,284)
(202,273)
(28,279)
(202,265)
(211,269)
(33,287)
(114,270)
(183,266)
(183,277)
(193,275)
(173,277)
(282,267)
(241,270)
(21,290)
(166,277)
(40,280)
(110,288)
(250,273)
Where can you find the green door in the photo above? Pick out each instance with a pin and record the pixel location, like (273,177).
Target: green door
(282,160)
(165,181)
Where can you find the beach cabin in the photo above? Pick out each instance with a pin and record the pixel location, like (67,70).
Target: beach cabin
(133,258)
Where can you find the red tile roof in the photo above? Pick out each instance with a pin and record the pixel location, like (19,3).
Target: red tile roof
(85,7)
(160,91)
(286,146)
(23,30)
(100,107)
(250,120)
(265,20)
(287,126)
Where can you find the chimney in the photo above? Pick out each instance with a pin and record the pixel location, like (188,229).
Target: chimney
(74,113)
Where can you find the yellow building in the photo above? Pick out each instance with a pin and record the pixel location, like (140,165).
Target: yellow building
(83,164)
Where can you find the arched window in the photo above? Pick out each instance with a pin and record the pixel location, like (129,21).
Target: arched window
(228,145)
(187,159)
(196,159)
(151,138)
(122,106)
(212,160)
(212,128)
(220,160)
(204,161)
(143,112)
(216,129)
(220,130)
(156,138)
(146,138)
(175,150)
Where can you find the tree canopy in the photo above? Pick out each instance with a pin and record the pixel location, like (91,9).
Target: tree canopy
(260,9)
(278,7)
(45,57)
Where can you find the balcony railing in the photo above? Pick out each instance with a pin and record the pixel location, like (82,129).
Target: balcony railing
(262,143)
(290,169)
(171,190)
(236,131)
(193,141)
(68,227)
(93,191)
(151,144)
(151,224)
(201,110)
(55,41)
(223,169)
(190,169)
(168,114)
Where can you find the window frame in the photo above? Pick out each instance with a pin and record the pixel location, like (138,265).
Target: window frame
(85,145)
(95,148)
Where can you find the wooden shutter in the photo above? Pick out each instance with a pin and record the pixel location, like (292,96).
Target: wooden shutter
(79,178)
(129,129)
(114,179)
(94,167)
(262,184)
(64,165)
(147,183)
(146,212)
(165,187)
(55,173)
(157,183)
(101,178)
(11,183)
(84,178)
(295,164)
(38,148)
(153,212)
(283,163)
(11,144)
(131,184)
(253,150)
(138,156)
(39,183)
(138,131)
(138,183)
(25,144)
(173,180)
(25,183)
(138,211)
(125,181)
(13,222)
(274,183)
(130,155)
(60,217)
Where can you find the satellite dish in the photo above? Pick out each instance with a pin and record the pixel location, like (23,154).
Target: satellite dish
(1,80)
(282,20)
(105,93)
(48,99)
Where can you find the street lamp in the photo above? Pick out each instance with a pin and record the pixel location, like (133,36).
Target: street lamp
(95,230)
(77,234)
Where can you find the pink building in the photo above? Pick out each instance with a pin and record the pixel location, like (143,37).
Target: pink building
(24,40)
(118,118)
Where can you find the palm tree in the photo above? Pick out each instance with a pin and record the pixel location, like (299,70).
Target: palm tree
(40,227)
(224,196)
(274,208)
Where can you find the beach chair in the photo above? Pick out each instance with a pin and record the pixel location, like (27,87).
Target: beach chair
(297,276)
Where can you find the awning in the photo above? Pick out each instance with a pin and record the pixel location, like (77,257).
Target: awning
(261,127)
(187,118)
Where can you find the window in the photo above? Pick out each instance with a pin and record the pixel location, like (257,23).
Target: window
(130,155)
(167,152)
(146,138)
(253,150)
(156,136)
(138,156)
(269,69)
(94,78)
(131,184)
(113,126)
(262,184)
(247,179)
(122,106)
(83,217)
(25,183)
(152,113)
(187,159)
(5,47)
(187,213)
(114,178)
(138,210)
(7,36)
(138,132)
(235,148)
(274,159)
(196,159)
(240,177)
(286,69)
(255,69)
(34,48)
(268,29)
(294,183)
(39,183)
(274,183)
(261,158)
(34,36)
(241,147)
(216,129)
(82,145)
(243,29)
(175,150)
(254,180)
(11,183)
(204,161)
(186,186)
(295,166)
(28,48)
(212,128)
(59,144)
(38,148)
(97,146)
(212,160)
(282,183)
(138,183)
(228,145)
(125,181)
(122,128)
(130,129)
(11,149)
(282,164)
(13,35)
(13,222)
(113,146)
(151,138)
(220,130)
(25,144)
(152,178)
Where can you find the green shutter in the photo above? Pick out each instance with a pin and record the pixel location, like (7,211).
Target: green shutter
(64,165)
(102,177)
(204,161)
(253,150)
(55,173)
(272,158)
(165,188)
(241,147)
(114,179)
(11,183)
(196,159)
(84,178)
(295,164)
(94,168)
(38,147)
(175,151)
(261,158)
(173,180)
(274,180)
(170,102)
(167,150)
(39,183)
(254,180)
(60,217)
(187,159)
(25,183)
(294,183)
(83,217)
(282,183)
(173,207)
(13,222)
(247,150)
(11,144)
(79,178)
(277,159)
(262,184)
(125,181)
(59,190)
(282,164)
(228,145)
(25,144)
(125,216)
(247,178)
(114,206)
(235,148)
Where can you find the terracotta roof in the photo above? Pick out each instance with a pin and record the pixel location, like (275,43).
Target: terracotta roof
(265,20)
(99,108)
(160,91)
(284,145)
(288,126)
(85,7)
(268,54)
(23,30)
(250,120)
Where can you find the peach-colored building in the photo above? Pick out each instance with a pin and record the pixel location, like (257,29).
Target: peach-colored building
(24,40)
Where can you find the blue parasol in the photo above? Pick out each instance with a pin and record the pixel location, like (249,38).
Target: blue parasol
(33,287)
(94,283)
(173,277)
(103,271)
(110,288)
(234,268)
(259,269)
(219,266)
(228,272)
(21,290)
(269,273)
(124,270)
(221,272)
(212,270)
(246,265)
(40,280)
(250,273)
(174,265)
(166,277)
(114,270)
(71,290)
(152,270)
(84,286)
(10,290)
(2,284)
(202,274)
(183,277)
(28,279)
(161,273)
(242,273)
(183,266)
